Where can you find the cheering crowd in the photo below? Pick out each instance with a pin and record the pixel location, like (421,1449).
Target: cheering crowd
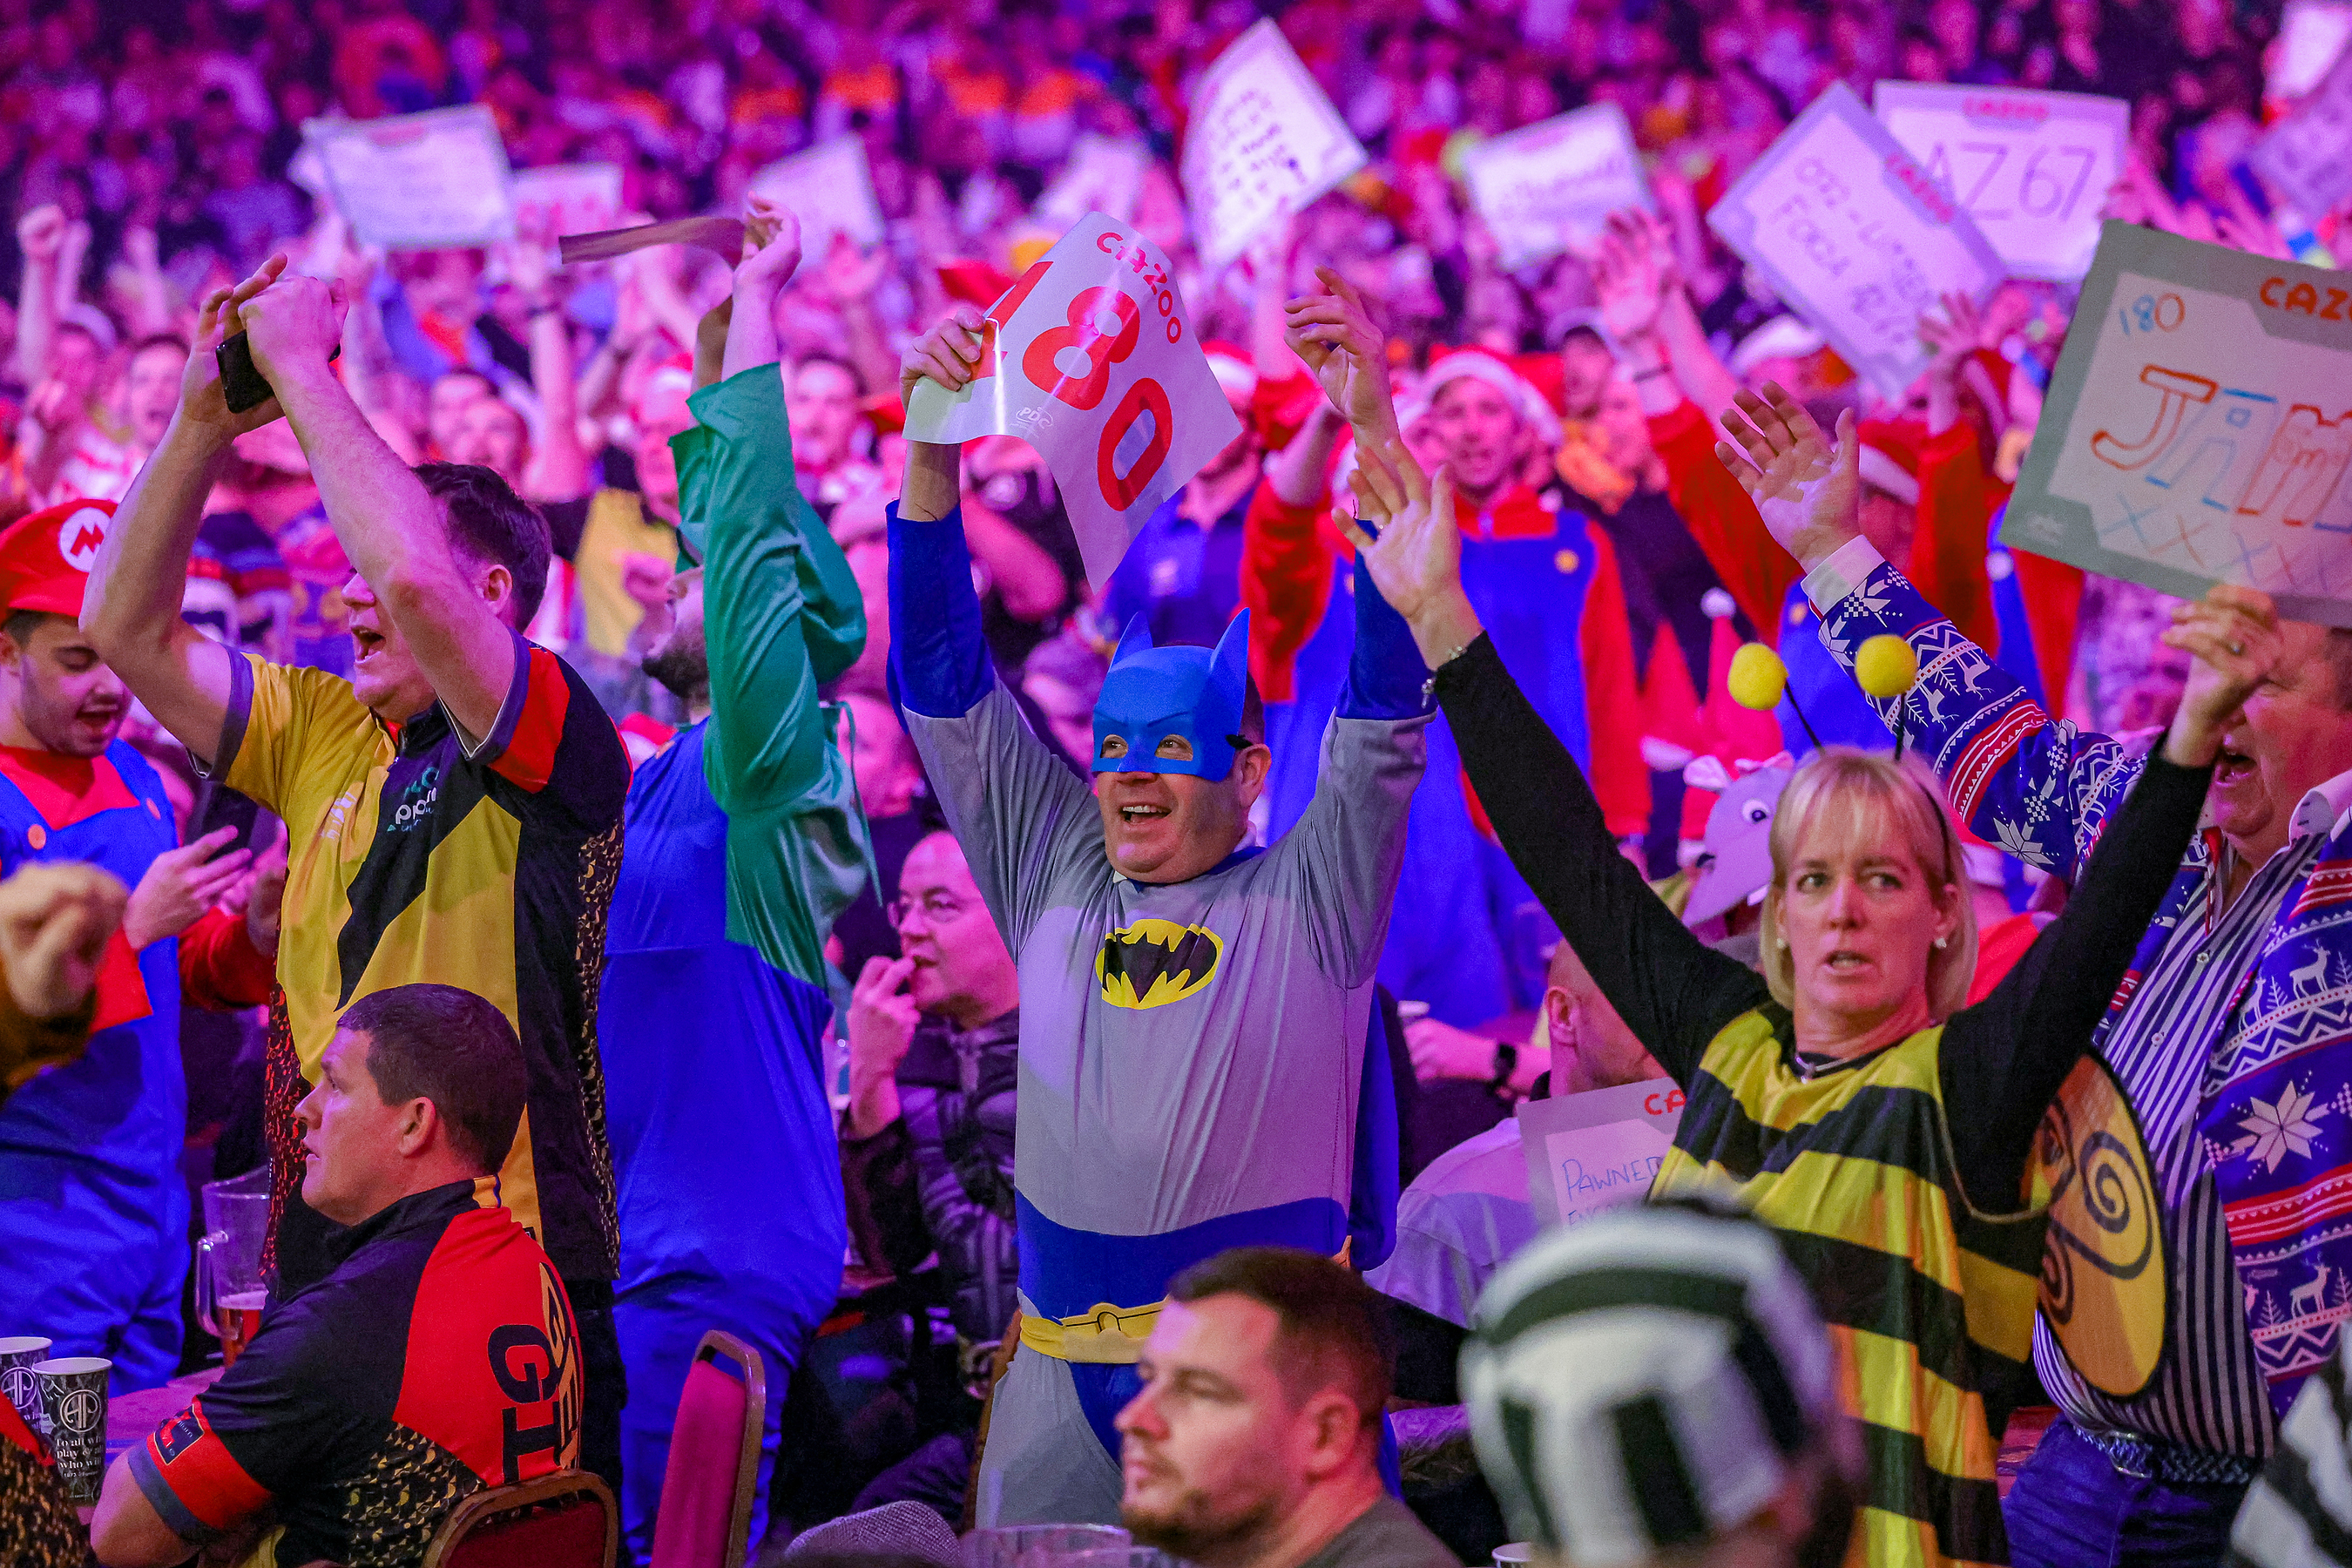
(627,843)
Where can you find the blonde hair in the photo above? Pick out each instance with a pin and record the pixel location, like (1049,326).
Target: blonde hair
(1872,796)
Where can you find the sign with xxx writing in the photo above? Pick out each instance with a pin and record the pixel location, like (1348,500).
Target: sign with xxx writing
(2195,429)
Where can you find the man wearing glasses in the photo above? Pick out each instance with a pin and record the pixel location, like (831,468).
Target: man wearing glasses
(927,1143)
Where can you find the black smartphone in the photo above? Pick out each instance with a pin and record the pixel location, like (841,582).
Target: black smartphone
(241,384)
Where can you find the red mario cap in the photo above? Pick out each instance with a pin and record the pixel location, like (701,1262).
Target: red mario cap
(45,559)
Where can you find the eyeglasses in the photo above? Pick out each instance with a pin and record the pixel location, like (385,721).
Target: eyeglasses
(938,908)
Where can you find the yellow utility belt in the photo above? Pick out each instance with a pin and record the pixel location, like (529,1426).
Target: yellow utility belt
(1106,1334)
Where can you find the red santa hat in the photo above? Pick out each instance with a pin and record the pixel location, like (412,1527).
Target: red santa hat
(1890,456)
(45,559)
(1485,365)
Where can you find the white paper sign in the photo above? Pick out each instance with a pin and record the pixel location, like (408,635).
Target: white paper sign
(1264,141)
(829,189)
(2197,430)
(1088,357)
(2032,168)
(1852,233)
(2307,156)
(1553,184)
(418,182)
(1102,175)
(2311,36)
(568,198)
(1594,1151)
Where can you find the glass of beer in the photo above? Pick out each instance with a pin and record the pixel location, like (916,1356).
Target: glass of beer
(229,1292)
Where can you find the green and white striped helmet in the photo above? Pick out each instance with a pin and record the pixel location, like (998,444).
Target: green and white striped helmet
(1647,1378)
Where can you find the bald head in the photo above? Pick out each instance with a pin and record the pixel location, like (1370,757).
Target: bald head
(1592,1047)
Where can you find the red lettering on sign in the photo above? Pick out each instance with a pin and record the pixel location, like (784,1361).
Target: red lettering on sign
(1664,1104)
(1002,312)
(1122,491)
(1041,363)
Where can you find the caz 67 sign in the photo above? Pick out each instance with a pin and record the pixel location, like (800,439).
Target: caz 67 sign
(1088,358)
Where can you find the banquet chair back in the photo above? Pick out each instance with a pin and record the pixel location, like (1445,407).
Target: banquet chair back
(563,1521)
(714,1458)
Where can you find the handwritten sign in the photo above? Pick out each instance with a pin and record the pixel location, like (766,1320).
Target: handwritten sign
(1088,357)
(830,190)
(418,182)
(2307,156)
(2195,430)
(1856,236)
(1102,175)
(1593,1151)
(2031,168)
(1553,184)
(567,198)
(1264,141)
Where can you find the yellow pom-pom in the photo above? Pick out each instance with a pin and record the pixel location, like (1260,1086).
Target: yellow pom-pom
(1757,676)
(1885,666)
(1028,251)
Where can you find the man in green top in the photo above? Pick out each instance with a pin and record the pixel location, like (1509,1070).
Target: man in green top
(743,842)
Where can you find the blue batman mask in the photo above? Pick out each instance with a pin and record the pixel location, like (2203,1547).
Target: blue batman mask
(1153,693)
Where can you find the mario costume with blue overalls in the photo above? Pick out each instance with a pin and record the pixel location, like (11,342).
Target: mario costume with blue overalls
(93,1207)
(1192,1065)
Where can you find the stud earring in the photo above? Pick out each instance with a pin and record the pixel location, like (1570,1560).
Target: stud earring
(1939,942)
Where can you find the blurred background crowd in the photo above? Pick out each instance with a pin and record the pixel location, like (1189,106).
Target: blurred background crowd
(152,150)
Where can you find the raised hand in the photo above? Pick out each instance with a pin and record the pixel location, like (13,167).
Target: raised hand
(850,275)
(1808,491)
(180,886)
(293,324)
(2231,637)
(201,403)
(1954,335)
(772,248)
(1629,276)
(1345,349)
(41,233)
(948,353)
(54,407)
(55,920)
(1415,560)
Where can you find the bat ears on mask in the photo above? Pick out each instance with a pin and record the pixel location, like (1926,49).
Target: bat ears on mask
(1136,639)
(1232,660)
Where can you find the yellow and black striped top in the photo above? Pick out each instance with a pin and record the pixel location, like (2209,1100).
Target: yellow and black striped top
(1867,1170)
(1930,1302)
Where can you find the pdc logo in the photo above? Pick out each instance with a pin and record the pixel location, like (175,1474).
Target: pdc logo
(79,537)
(1153,963)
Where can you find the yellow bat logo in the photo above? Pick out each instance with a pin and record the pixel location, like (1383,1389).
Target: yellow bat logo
(1153,963)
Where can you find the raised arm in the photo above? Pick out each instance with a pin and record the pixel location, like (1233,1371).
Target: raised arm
(1676,374)
(40,239)
(393,531)
(2037,788)
(130,610)
(781,611)
(1018,812)
(1673,991)
(1286,567)
(2004,1059)
(559,465)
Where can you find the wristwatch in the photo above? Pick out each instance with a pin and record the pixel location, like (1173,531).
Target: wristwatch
(1507,1063)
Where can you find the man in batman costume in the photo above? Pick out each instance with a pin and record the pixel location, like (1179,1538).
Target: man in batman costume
(1195,1011)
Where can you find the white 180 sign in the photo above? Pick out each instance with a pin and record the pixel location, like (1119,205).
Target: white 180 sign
(2032,168)
(1089,359)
